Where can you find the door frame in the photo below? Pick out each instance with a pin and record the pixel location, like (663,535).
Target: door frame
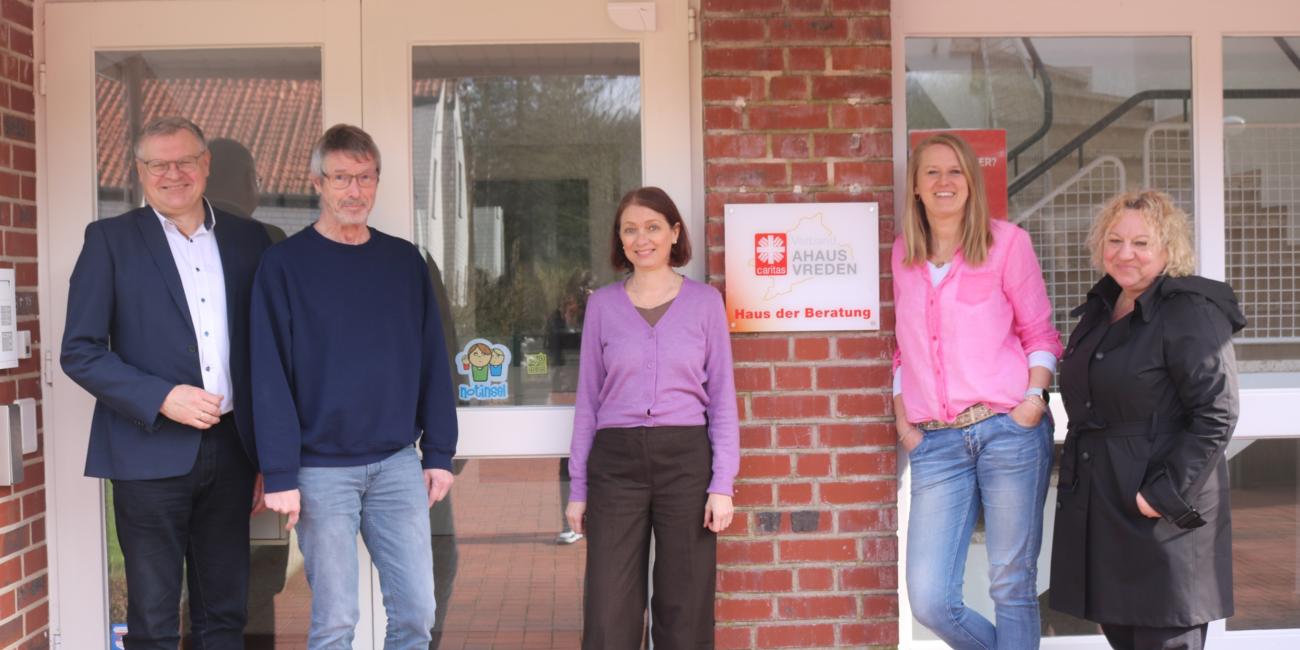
(391,28)
(1267,399)
(366,47)
(73,32)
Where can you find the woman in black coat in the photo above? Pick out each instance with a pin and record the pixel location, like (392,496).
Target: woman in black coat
(1143,540)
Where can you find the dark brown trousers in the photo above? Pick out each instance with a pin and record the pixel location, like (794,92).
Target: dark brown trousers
(640,481)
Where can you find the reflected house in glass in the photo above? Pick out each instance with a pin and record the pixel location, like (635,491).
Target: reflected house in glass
(489,241)
(443,216)
(520,155)
(272,110)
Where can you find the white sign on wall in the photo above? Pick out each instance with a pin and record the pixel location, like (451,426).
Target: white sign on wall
(802,267)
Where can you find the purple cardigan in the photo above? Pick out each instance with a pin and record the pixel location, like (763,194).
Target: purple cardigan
(677,373)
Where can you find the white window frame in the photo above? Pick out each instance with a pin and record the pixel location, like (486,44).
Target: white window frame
(1267,400)
(391,28)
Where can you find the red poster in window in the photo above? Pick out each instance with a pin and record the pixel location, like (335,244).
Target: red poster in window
(990,146)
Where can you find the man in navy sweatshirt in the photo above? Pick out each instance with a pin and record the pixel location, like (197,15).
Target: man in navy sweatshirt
(349,373)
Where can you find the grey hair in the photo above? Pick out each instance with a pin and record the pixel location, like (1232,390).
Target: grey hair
(167,125)
(343,138)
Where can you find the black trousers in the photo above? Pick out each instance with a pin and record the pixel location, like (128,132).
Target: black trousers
(640,481)
(196,523)
(1130,637)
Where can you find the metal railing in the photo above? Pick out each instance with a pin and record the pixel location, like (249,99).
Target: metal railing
(1045,80)
(1058,224)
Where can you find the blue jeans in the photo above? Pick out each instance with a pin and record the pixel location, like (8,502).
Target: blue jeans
(387,503)
(1002,467)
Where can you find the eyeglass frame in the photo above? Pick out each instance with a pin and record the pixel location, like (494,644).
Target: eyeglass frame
(329,179)
(180,163)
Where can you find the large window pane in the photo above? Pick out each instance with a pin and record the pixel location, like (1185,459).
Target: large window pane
(521,153)
(1261,156)
(1265,533)
(501,579)
(1084,119)
(260,110)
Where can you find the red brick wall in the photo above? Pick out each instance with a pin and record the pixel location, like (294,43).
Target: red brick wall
(797,107)
(24,588)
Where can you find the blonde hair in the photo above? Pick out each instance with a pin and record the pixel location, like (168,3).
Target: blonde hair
(1169,224)
(976,235)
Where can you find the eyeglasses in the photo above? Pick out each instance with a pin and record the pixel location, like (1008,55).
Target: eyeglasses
(186,165)
(341,181)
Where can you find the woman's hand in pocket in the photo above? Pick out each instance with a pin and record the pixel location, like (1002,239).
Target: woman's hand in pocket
(911,439)
(1145,508)
(1027,413)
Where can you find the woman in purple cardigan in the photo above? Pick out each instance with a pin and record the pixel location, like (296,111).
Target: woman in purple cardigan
(655,437)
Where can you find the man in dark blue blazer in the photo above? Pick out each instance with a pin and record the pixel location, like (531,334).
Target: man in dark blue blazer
(157,332)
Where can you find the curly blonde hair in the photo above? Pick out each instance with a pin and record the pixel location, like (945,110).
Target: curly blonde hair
(1169,224)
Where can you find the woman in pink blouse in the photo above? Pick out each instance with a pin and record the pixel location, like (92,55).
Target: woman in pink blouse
(976,350)
(655,437)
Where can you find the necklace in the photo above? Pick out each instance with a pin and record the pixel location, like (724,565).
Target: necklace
(646,297)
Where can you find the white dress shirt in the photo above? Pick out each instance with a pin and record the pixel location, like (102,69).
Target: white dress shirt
(199,263)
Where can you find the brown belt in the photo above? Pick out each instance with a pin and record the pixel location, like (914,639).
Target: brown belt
(977,413)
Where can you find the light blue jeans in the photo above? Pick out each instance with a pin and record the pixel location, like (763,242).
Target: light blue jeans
(1002,467)
(387,503)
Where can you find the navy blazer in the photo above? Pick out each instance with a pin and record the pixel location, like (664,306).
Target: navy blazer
(129,340)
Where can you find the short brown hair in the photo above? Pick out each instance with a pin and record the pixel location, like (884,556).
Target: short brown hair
(343,138)
(657,200)
(976,233)
(1169,224)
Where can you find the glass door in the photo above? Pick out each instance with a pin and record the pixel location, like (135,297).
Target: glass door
(509,131)
(1094,100)
(523,125)
(253,79)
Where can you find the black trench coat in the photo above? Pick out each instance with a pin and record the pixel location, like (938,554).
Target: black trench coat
(1152,402)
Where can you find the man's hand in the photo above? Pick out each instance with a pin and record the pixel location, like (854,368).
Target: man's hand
(576,513)
(192,406)
(288,502)
(259,496)
(717,512)
(437,482)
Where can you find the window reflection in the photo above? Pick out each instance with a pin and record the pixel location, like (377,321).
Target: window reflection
(1261,134)
(521,153)
(266,101)
(510,579)
(260,110)
(1265,533)
(1084,118)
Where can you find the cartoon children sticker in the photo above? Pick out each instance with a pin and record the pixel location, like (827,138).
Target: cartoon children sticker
(497,361)
(485,364)
(477,357)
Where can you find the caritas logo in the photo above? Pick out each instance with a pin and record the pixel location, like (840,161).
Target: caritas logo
(770,253)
